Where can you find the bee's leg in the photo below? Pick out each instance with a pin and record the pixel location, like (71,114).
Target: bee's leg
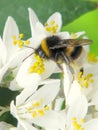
(68,64)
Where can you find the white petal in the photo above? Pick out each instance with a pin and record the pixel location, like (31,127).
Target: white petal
(47,93)
(10,30)
(67,81)
(33,20)
(78,109)
(26,126)
(52,121)
(64,35)
(73,93)
(4,126)
(14,61)
(27,92)
(78,34)
(24,78)
(13,110)
(57,18)
(3,52)
(91,125)
(94,99)
(49,69)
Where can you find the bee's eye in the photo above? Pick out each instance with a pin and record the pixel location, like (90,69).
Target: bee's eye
(40,53)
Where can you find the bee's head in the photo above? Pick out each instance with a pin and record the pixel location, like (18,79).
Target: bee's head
(40,52)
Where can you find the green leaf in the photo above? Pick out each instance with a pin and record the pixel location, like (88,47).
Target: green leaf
(6,96)
(8,118)
(88,23)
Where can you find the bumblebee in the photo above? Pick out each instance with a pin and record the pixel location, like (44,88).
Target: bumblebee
(61,50)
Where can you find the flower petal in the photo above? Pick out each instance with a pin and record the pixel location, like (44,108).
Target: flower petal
(50,67)
(33,20)
(24,78)
(14,61)
(4,126)
(78,109)
(10,30)
(51,121)
(3,52)
(47,93)
(56,17)
(73,93)
(91,125)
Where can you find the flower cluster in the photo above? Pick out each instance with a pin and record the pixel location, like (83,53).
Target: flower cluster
(42,102)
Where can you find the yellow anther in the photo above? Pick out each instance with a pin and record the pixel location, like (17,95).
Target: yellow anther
(37,103)
(73,36)
(92,58)
(74,118)
(21,35)
(47,108)
(18,41)
(38,66)
(26,42)
(52,22)
(29,109)
(41,112)
(51,27)
(76,125)
(82,120)
(34,114)
(85,80)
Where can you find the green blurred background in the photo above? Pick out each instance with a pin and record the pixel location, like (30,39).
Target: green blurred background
(70,10)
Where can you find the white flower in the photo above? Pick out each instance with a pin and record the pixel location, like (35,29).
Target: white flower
(19,127)
(10,55)
(88,79)
(33,106)
(75,118)
(71,87)
(4,126)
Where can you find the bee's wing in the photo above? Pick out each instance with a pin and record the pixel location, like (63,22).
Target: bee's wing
(71,42)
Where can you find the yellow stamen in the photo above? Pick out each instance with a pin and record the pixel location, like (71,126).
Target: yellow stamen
(21,35)
(38,66)
(41,112)
(37,103)
(34,114)
(47,108)
(35,109)
(73,35)
(85,80)
(76,125)
(18,41)
(51,27)
(92,58)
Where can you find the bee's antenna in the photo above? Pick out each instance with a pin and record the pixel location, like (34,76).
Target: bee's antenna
(28,56)
(30,53)
(29,47)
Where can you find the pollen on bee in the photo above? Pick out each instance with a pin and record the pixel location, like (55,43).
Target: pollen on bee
(38,66)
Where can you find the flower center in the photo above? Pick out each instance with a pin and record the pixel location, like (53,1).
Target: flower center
(73,35)
(18,41)
(51,27)
(92,58)
(77,125)
(38,66)
(36,110)
(86,80)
